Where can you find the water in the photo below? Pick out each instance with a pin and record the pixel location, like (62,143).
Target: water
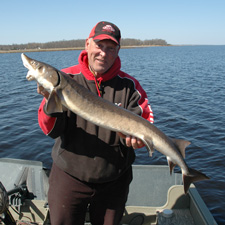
(185,86)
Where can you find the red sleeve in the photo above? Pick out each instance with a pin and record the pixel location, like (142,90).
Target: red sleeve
(139,103)
(143,102)
(46,122)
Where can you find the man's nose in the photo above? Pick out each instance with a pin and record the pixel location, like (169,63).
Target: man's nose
(103,52)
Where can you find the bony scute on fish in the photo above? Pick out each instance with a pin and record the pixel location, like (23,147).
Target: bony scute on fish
(65,92)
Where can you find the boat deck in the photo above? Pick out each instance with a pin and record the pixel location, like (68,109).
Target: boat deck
(152,191)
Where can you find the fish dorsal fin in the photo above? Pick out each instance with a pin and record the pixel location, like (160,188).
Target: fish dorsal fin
(181,145)
(53,104)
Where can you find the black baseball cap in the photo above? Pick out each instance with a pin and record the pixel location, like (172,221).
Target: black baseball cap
(105,30)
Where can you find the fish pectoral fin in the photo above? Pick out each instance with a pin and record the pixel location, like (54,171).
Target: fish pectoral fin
(181,145)
(149,146)
(53,104)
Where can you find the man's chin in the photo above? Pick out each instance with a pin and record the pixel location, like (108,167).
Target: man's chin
(100,70)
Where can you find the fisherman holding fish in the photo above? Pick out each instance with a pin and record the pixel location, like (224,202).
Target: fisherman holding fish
(92,165)
(89,109)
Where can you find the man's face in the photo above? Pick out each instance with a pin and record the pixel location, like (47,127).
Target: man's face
(101,55)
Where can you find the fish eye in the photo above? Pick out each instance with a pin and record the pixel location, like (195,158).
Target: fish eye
(34,63)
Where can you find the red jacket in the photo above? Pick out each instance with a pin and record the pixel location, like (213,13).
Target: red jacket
(84,150)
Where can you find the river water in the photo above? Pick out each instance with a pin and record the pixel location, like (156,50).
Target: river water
(185,86)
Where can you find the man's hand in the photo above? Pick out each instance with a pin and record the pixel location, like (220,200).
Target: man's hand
(42,91)
(132,141)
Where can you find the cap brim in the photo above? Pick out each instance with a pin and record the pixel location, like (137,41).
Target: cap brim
(104,37)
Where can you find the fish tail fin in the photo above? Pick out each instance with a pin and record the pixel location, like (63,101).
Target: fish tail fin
(193,176)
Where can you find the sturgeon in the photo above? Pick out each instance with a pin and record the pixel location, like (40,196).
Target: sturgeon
(66,92)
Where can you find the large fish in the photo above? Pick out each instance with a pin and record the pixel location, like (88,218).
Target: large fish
(64,91)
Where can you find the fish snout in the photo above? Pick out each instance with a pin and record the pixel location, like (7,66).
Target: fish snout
(25,60)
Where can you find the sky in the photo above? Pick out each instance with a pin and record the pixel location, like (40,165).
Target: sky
(179,22)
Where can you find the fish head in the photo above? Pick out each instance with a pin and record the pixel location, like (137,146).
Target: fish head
(46,75)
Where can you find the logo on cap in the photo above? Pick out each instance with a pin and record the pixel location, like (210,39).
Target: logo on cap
(108,28)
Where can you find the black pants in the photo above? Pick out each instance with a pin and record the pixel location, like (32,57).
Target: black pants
(68,199)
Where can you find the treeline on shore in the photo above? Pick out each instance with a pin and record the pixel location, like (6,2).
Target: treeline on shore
(79,43)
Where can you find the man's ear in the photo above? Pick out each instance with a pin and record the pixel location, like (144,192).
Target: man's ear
(87,43)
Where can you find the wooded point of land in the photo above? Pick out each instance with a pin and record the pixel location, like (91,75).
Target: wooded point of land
(76,44)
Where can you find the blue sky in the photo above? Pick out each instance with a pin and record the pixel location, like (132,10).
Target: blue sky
(176,21)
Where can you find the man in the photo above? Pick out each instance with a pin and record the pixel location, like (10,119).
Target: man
(92,165)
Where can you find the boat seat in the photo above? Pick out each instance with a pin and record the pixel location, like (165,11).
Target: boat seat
(16,172)
(148,188)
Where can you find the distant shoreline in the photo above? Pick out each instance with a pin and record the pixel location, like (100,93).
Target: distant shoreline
(71,49)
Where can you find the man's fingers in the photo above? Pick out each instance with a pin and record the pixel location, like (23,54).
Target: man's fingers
(42,91)
(128,141)
(131,141)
